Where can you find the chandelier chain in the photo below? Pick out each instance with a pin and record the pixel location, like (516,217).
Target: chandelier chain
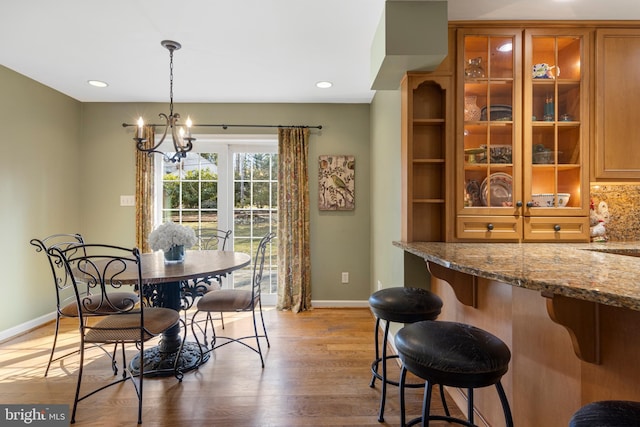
(170,82)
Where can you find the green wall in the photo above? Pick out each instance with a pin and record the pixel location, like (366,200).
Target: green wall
(339,240)
(67,163)
(40,190)
(386,260)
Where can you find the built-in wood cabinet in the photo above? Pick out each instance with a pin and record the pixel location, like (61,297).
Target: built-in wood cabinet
(488,134)
(519,110)
(522,135)
(556,134)
(427,157)
(617,128)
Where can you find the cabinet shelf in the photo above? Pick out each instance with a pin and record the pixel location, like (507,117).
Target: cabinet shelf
(427,122)
(435,161)
(561,123)
(425,201)
(492,122)
(550,82)
(483,166)
(427,153)
(561,167)
(486,80)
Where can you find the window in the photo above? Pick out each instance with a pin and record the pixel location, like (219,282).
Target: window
(226,182)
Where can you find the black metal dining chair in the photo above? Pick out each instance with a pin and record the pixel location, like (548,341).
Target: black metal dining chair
(66,304)
(234,301)
(102,267)
(208,239)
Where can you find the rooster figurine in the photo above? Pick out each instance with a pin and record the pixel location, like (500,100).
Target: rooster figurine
(597,220)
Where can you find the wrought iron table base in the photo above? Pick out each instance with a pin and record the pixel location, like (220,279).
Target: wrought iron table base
(159,360)
(160,363)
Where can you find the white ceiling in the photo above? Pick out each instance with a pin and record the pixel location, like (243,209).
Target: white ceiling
(232,50)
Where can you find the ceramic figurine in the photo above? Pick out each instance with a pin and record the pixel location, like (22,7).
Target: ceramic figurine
(543,71)
(597,220)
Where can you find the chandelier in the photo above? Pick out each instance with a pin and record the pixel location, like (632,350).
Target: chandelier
(182,139)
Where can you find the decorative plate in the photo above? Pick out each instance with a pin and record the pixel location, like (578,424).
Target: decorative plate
(500,186)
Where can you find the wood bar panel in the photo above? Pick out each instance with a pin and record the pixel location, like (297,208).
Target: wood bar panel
(547,382)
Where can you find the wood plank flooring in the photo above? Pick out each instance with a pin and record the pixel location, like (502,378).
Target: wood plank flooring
(317,373)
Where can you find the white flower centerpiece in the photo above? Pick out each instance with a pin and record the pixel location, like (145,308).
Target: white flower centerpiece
(172,239)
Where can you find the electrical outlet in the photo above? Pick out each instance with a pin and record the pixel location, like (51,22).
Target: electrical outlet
(345,277)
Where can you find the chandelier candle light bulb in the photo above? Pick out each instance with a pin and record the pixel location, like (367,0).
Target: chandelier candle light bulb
(140,126)
(189,123)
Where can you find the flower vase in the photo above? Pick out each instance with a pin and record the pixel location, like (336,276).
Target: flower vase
(472,112)
(175,255)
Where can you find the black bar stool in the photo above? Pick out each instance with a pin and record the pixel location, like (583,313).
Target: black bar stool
(607,413)
(401,305)
(452,354)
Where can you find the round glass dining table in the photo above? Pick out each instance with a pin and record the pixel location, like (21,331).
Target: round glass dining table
(162,288)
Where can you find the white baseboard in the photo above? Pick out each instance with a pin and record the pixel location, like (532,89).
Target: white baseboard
(26,327)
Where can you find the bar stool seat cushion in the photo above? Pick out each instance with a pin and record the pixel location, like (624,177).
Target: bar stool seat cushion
(607,413)
(453,354)
(405,305)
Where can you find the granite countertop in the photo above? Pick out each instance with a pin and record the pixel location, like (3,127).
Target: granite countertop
(607,273)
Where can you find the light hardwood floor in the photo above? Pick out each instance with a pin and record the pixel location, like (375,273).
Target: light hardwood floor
(316,373)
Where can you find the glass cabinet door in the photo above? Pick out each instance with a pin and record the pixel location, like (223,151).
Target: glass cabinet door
(490,131)
(556,117)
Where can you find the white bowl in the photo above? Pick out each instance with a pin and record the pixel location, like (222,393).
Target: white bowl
(546,200)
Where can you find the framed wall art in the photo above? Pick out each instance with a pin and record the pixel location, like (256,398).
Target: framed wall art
(336,183)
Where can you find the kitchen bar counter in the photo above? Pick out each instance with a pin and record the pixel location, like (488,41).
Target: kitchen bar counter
(606,273)
(570,313)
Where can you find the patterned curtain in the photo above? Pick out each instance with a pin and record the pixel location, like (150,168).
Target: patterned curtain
(294,264)
(144,193)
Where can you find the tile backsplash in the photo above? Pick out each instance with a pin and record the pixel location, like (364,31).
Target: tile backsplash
(624,209)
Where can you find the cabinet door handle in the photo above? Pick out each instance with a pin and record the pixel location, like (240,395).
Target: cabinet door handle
(489,227)
(530,204)
(556,227)
(519,203)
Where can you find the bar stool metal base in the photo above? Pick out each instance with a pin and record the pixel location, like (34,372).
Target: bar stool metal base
(400,305)
(383,377)
(426,406)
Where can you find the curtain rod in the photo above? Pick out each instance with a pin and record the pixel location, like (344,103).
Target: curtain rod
(223,126)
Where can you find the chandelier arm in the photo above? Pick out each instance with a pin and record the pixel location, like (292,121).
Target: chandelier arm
(140,141)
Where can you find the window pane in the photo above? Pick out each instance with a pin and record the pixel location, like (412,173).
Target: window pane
(274,194)
(170,194)
(274,166)
(242,194)
(261,194)
(190,194)
(209,195)
(261,166)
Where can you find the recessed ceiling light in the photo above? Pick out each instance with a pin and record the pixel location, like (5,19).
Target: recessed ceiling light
(97,83)
(324,85)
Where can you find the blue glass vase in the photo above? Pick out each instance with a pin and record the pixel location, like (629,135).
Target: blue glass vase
(175,255)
